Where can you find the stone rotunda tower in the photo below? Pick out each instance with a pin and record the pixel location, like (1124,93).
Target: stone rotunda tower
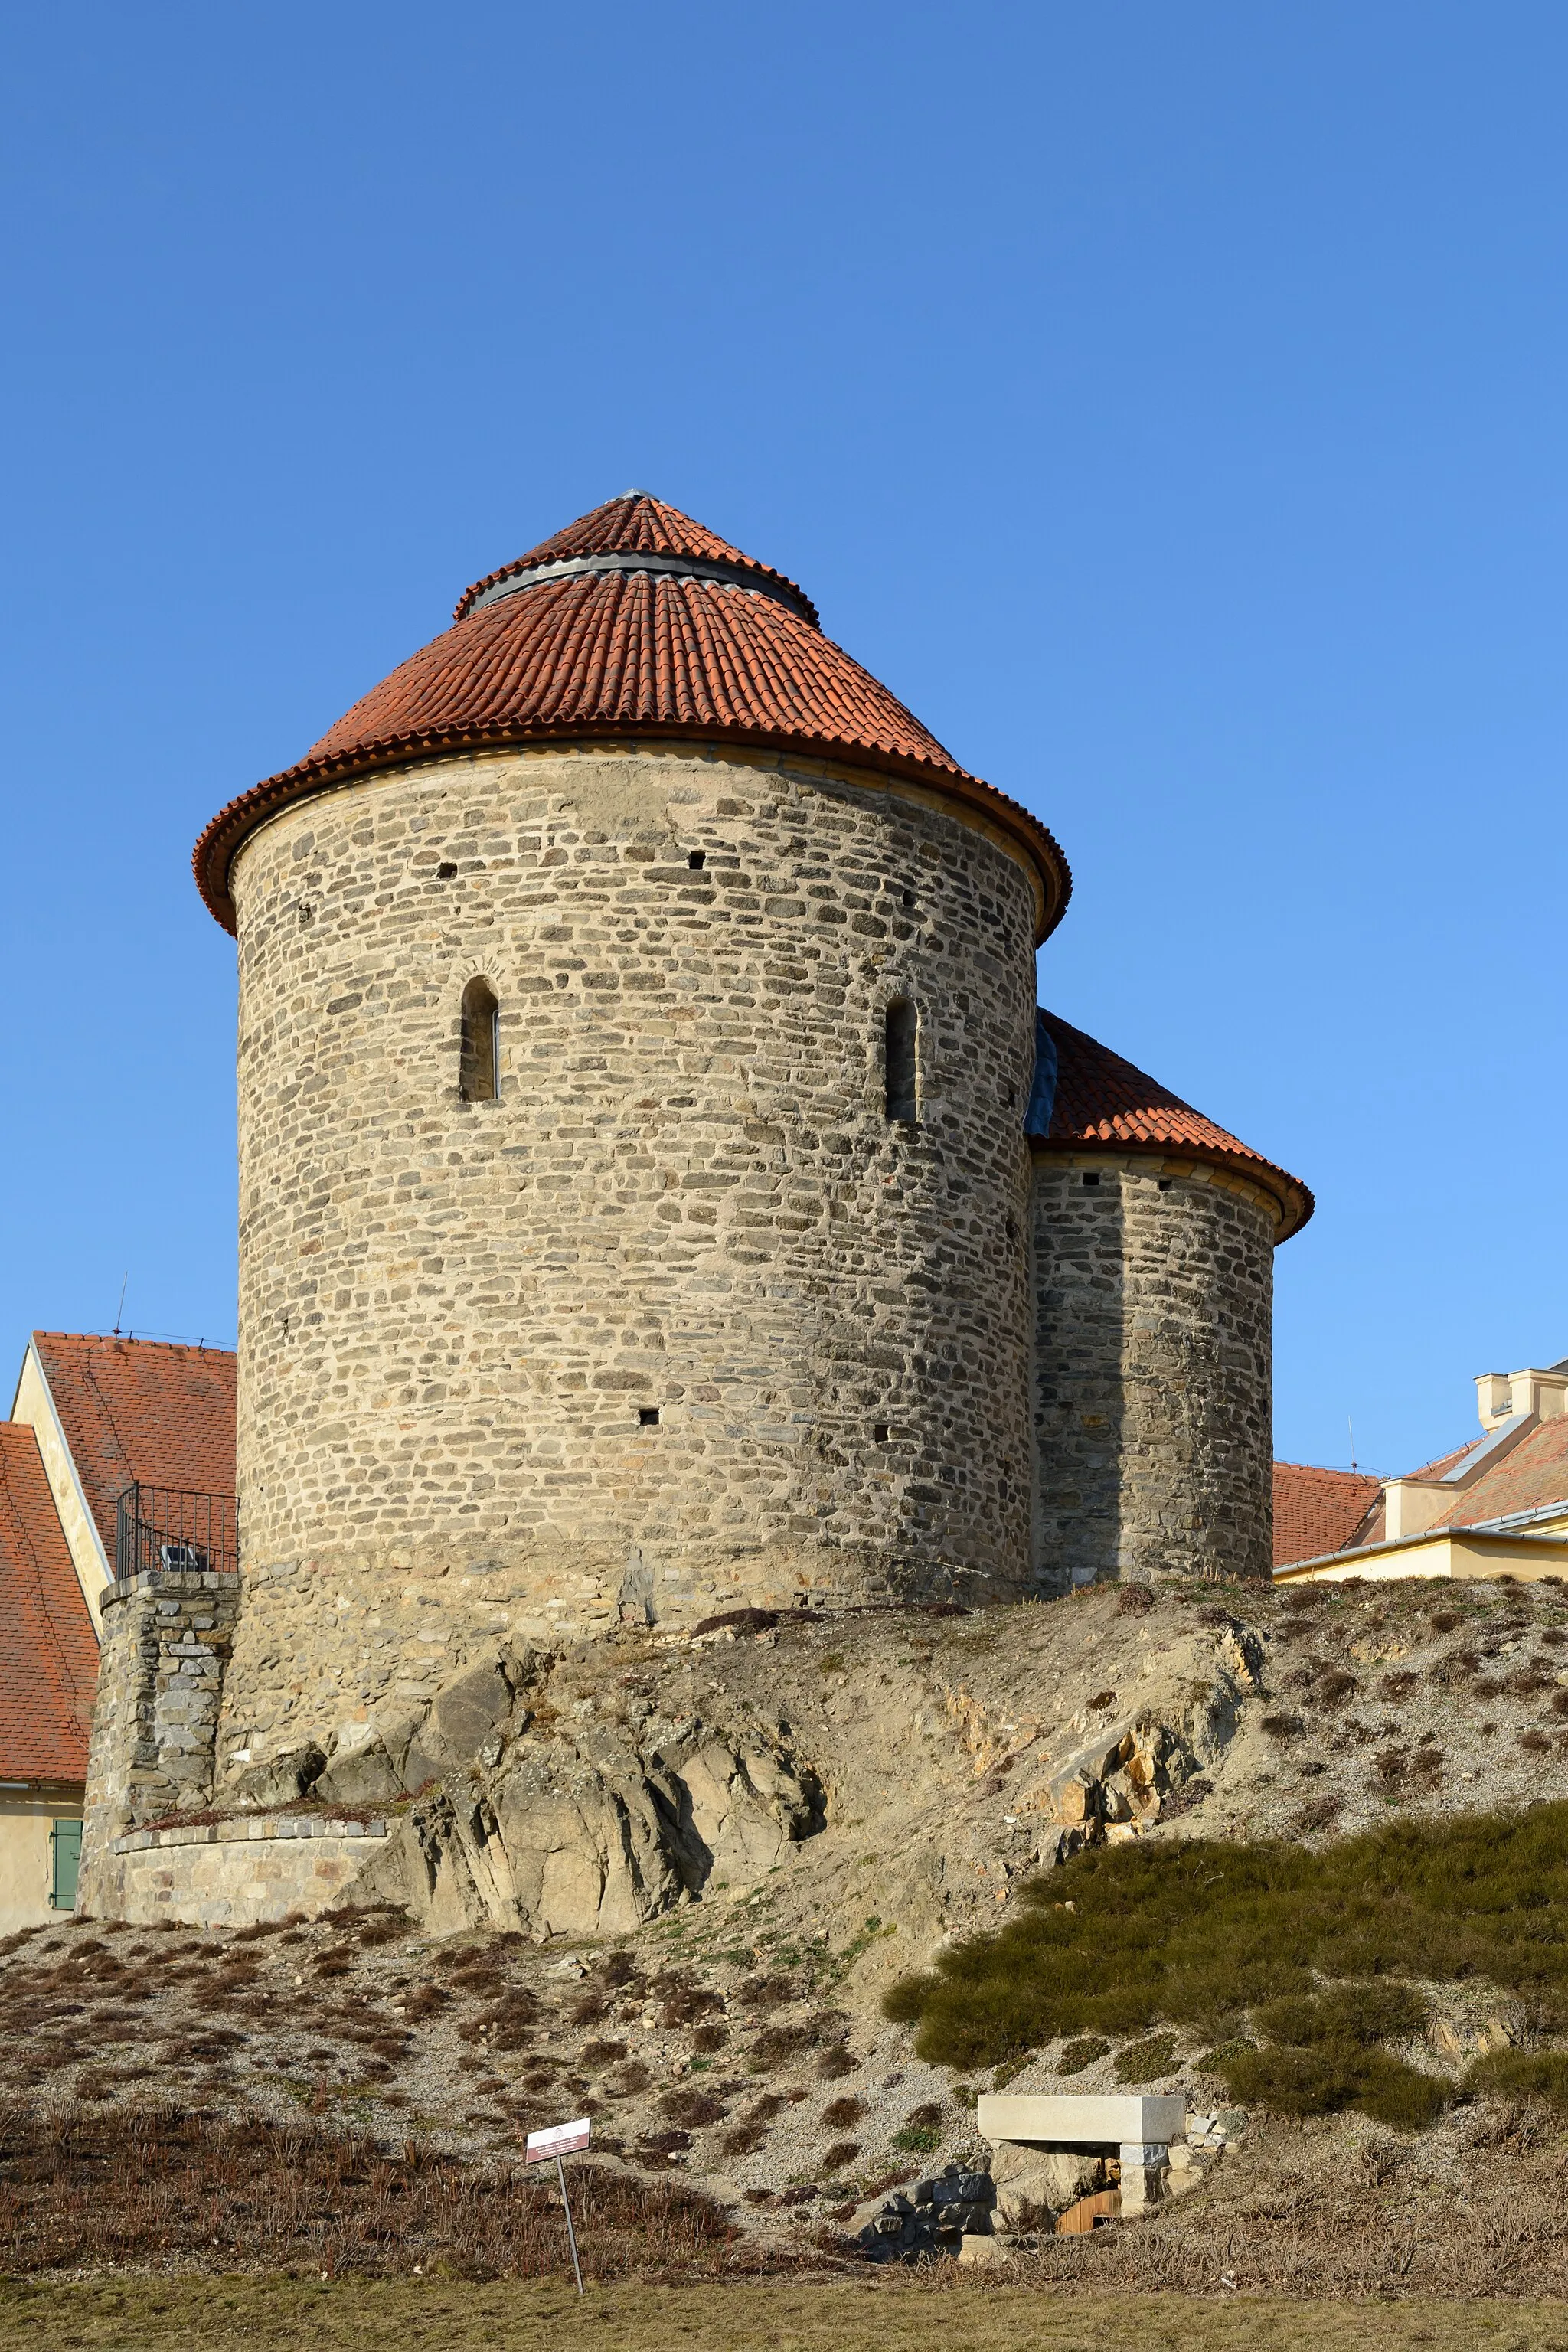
(636,1025)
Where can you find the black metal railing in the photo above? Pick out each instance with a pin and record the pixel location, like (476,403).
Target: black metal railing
(164,1526)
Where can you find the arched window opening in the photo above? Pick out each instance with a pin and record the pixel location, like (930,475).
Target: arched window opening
(479,1076)
(900,1060)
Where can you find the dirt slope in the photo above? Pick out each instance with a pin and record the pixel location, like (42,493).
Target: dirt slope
(890,1778)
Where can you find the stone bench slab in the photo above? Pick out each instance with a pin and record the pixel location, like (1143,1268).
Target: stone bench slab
(1085,2119)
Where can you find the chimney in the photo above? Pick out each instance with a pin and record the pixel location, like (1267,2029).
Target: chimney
(1545,1395)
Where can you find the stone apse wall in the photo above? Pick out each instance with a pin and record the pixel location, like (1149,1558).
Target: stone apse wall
(457,1320)
(1154,1369)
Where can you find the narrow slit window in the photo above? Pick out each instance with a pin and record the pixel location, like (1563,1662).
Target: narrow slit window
(900,1060)
(480,1078)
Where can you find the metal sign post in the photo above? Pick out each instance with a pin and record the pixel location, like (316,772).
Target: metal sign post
(548,2147)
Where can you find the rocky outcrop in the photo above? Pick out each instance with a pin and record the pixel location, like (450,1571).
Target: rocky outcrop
(1035,2186)
(587,1831)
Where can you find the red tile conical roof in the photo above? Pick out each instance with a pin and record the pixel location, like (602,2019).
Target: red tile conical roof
(633,621)
(636,524)
(1103,1099)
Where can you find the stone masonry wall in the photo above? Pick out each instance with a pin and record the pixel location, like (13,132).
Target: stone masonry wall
(167,1637)
(232,1873)
(1153,1370)
(457,1320)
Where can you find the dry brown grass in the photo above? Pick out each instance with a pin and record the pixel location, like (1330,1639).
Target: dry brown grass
(879,2314)
(158,2185)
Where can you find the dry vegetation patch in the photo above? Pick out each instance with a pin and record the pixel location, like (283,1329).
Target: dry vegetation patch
(161,2185)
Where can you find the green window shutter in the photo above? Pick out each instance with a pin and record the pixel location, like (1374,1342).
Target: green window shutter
(64,1852)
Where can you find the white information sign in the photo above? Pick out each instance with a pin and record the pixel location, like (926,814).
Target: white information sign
(560,2139)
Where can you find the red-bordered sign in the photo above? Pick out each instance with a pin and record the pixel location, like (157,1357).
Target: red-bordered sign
(560,2139)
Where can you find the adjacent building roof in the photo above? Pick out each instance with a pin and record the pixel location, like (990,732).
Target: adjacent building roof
(1317,1511)
(141,1409)
(48,1653)
(1532,1477)
(634,621)
(1100,1098)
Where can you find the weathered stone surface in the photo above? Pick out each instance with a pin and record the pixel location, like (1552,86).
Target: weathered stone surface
(362,1773)
(586,1832)
(688,1198)
(1034,2185)
(462,1717)
(280,1779)
(940,2216)
(1153,1379)
(166,1642)
(1084,2119)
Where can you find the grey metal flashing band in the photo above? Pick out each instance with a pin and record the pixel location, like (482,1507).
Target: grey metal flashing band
(683,567)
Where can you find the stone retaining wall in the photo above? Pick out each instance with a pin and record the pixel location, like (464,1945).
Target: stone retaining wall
(235,1873)
(167,1637)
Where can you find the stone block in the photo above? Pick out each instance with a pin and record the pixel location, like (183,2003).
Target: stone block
(1084,2119)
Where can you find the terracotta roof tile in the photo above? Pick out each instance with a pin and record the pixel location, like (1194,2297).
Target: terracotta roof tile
(1101,1098)
(1530,1477)
(1318,1511)
(48,1655)
(634,524)
(141,1409)
(623,652)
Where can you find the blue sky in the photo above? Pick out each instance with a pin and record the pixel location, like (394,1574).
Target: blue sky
(1168,403)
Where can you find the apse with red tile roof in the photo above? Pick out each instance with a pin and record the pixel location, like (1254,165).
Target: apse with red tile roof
(1154,1232)
(636,1211)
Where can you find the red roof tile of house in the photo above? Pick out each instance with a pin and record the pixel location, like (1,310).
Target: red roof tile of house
(686,651)
(1318,1511)
(1530,1477)
(1100,1099)
(141,1409)
(48,1654)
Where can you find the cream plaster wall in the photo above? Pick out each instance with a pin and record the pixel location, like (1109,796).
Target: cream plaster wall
(1464,1553)
(26,1863)
(36,1407)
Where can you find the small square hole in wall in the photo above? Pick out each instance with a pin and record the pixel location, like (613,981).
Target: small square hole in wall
(1091,1181)
(697,860)
(880,1433)
(445,871)
(647,1416)
(1166,1183)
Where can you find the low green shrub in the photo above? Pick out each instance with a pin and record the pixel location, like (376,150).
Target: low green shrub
(1074,2056)
(1146,2062)
(1523,2074)
(1124,1938)
(1346,2013)
(1331,2075)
